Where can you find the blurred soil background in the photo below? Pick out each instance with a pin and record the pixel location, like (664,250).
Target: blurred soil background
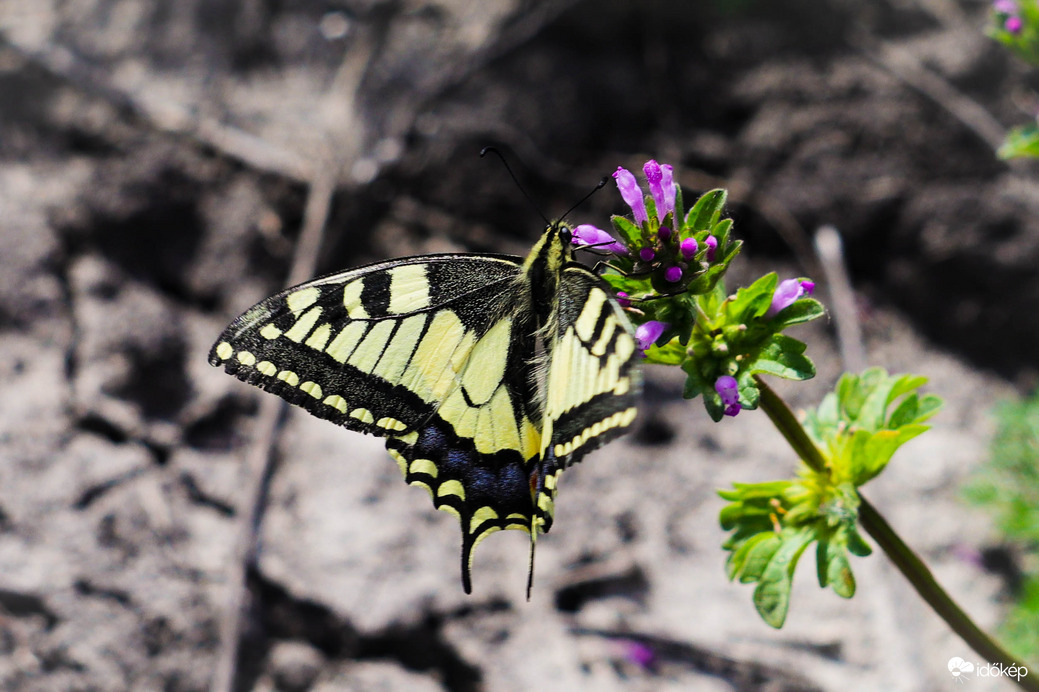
(158,164)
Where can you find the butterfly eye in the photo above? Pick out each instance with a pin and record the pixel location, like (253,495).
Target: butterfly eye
(565,235)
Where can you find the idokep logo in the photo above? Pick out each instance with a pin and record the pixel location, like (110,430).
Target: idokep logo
(962,670)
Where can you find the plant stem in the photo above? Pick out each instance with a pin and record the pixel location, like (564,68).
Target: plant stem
(907,562)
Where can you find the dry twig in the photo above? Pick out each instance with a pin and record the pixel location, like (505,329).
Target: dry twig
(830,250)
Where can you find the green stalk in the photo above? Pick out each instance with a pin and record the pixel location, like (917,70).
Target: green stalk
(907,562)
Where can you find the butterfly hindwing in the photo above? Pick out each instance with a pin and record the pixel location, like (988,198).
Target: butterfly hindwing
(592,384)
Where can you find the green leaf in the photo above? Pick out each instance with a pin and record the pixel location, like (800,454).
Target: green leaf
(679,206)
(713,405)
(857,545)
(905,384)
(630,234)
(750,395)
(706,210)
(734,568)
(754,300)
(694,383)
(833,567)
(802,310)
(720,231)
(929,405)
(767,490)
(783,357)
(772,595)
(759,557)
(707,280)
(1020,142)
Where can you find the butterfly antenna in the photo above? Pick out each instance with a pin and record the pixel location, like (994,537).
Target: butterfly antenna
(501,157)
(601,185)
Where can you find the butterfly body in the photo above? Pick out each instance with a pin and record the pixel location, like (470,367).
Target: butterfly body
(487,374)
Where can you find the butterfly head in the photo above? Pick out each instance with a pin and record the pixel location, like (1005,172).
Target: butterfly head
(544,265)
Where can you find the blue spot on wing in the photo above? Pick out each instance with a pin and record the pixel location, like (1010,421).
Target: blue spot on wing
(500,480)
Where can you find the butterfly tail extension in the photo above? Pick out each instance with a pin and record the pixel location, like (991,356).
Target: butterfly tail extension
(543,493)
(530,568)
(487,493)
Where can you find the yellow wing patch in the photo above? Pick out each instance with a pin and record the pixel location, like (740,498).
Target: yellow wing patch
(409,288)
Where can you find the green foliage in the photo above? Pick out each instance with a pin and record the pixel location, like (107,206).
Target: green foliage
(1024,42)
(735,336)
(857,427)
(869,416)
(1018,30)
(1008,487)
(1022,141)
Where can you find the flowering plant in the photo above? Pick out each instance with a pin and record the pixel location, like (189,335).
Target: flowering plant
(1015,24)
(667,270)
(667,266)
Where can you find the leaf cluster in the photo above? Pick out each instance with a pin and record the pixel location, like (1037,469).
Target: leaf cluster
(857,428)
(735,336)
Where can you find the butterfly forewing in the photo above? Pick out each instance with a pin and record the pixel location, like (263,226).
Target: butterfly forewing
(373,349)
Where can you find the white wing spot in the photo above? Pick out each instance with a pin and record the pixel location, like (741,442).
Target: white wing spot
(391,424)
(363,415)
(352,300)
(337,402)
(423,466)
(269,331)
(311,388)
(300,300)
(409,288)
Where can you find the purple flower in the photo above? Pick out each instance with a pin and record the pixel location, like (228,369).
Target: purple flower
(673,274)
(631,194)
(729,391)
(1005,6)
(1013,25)
(712,244)
(639,653)
(787,292)
(623,299)
(647,254)
(587,234)
(655,178)
(688,248)
(647,334)
(664,233)
(668,182)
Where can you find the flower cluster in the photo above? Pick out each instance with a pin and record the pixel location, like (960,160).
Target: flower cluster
(1015,24)
(674,258)
(666,264)
(1008,15)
